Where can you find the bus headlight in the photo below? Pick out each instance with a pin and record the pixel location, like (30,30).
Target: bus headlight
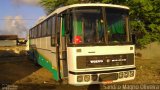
(131,73)
(126,74)
(120,75)
(94,77)
(86,78)
(79,78)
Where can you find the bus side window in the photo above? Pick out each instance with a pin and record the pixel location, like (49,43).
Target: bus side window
(53,19)
(49,27)
(29,33)
(39,30)
(44,28)
(36,32)
(33,33)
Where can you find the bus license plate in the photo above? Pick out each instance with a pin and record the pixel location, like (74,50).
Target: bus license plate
(107,82)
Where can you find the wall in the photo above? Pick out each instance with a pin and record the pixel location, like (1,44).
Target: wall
(8,43)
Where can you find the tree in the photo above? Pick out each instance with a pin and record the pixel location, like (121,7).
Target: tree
(144,16)
(50,5)
(145,20)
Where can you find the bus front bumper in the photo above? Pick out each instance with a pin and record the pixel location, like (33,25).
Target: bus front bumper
(101,77)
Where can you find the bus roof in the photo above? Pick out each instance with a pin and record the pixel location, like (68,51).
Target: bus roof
(61,9)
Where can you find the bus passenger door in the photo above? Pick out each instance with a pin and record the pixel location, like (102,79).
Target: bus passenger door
(62,48)
(55,43)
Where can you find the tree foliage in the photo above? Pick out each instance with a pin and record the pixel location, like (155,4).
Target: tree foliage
(144,16)
(145,20)
(50,5)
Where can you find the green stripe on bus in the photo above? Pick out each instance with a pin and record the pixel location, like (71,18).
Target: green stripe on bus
(46,64)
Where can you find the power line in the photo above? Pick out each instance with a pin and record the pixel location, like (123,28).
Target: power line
(18,19)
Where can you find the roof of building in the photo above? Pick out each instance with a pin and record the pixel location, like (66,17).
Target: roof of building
(8,37)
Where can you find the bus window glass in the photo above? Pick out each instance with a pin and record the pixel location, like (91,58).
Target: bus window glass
(33,33)
(87,25)
(36,32)
(39,30)
(49,27)
(53,31)
(116,23)
(29,33)
(44,28)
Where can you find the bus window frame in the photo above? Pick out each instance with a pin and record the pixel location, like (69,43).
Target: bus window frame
(105,26)
(128,33)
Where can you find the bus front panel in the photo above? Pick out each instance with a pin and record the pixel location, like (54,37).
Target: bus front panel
(100,64)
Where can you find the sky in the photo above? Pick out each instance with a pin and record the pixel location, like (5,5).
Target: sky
(17,16)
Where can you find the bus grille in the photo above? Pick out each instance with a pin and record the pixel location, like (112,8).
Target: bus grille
(108,77)
(104,61)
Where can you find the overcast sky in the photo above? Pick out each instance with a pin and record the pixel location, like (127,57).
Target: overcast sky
(17,16)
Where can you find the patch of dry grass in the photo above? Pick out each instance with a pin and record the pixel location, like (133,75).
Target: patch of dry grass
(148,71)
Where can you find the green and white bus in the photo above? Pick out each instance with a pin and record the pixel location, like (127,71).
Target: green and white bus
(85,43)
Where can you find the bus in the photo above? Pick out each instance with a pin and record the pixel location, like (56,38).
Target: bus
(85,43)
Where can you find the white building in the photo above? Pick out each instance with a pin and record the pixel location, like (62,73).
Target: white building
(8,40)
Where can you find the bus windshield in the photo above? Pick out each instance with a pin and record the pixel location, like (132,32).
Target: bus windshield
(88,25)
(117,20)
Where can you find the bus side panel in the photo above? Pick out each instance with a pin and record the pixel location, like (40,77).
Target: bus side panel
(45,55)
(48,61)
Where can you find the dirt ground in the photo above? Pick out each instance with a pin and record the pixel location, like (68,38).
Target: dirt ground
(22,74)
